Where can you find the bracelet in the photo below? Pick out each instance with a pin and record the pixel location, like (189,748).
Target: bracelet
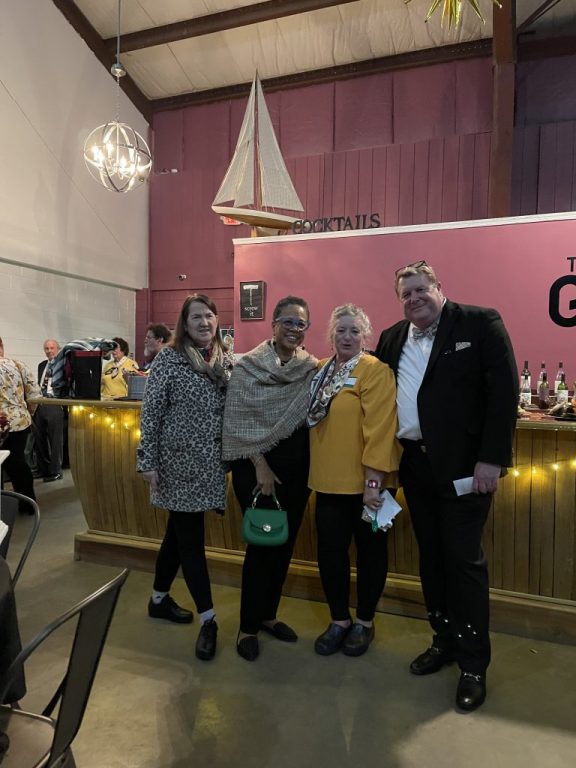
(372,484)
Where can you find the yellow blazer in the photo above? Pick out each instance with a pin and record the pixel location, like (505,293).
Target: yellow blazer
(359,431)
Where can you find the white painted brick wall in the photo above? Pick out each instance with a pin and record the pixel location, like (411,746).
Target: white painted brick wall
(35,306)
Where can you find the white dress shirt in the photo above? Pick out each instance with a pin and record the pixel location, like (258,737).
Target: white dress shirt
(411,369)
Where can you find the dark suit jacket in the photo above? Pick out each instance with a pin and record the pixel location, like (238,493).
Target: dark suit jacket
(41,367)
(467,403)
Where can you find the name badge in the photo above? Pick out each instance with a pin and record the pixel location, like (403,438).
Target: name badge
(350,381)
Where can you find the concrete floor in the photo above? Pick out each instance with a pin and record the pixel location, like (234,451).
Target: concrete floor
(154,705)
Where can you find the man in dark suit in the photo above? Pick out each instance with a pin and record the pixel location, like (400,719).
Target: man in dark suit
(48,422)
(457,395)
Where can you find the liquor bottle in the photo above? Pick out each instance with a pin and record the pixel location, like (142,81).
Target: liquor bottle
(541,374)
(558,376)
(562,391)
(526,374)
(543,392)
(525,392)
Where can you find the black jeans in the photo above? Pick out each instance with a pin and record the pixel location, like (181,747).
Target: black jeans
(453,569)
(183,545)
(338,521)
(265,568)
(15,465)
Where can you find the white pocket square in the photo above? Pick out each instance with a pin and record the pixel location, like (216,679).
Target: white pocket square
(462,345)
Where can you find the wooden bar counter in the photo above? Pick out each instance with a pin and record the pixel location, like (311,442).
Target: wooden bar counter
(530,539)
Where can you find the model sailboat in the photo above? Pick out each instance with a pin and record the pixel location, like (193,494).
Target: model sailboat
(257,180)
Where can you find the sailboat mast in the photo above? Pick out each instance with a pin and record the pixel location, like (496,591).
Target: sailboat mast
(257,177)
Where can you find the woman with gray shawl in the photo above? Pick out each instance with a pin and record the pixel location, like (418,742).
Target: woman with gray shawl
(265,437)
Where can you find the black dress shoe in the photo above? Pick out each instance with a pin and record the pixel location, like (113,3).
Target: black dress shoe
(51,478)
(281,631)
(206,642)
(168,609)
(331,640)
(248,647)
(471,691)
(358,640)
(431,661)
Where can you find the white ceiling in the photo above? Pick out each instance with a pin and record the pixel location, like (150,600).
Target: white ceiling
(343,34)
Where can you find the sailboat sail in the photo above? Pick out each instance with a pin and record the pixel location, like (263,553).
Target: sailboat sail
(238,184)
(276,184)
(257,151)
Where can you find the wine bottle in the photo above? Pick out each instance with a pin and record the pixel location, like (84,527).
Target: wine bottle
(526,374)
(543,391)
(542,373)
(525,392)
(562,391)
(558,376)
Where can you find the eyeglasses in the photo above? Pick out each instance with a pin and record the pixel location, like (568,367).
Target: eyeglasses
(416,265)
(293,324)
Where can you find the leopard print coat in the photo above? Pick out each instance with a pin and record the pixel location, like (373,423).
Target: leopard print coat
(181,435)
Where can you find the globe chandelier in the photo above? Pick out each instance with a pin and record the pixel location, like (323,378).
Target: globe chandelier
(115,154)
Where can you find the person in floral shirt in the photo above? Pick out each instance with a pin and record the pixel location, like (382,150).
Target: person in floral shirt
(17,387)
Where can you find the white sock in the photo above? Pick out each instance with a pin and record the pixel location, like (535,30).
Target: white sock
(157,597)
(207,616)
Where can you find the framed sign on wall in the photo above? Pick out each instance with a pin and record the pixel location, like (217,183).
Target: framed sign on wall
(252,300)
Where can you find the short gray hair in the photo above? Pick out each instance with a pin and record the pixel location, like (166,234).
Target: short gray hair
(349,310)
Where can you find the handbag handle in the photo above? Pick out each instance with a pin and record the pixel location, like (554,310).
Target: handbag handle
(255,499)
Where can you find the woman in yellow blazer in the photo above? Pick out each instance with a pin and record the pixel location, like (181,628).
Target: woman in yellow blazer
(354,454)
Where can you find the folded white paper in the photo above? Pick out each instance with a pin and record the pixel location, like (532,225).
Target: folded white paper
(385,514)
(463,486)
(3,531)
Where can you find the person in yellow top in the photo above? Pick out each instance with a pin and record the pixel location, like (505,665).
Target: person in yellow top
(353,455)
(114,383)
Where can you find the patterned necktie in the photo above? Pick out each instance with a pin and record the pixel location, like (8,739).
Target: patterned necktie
(426,333)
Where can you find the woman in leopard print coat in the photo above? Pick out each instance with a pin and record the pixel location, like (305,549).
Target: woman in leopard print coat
(180,456)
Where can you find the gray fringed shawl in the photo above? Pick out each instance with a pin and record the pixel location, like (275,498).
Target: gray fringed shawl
(266,401)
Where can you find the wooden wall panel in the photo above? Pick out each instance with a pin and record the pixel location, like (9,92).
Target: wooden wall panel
(482,144)
(391,216)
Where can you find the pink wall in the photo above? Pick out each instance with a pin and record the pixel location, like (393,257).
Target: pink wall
(412,145)
(508,266)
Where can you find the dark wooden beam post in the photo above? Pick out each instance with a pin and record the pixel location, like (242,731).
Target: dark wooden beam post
(504,90)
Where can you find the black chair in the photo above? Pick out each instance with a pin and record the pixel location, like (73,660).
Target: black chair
(9,504)
(40,741)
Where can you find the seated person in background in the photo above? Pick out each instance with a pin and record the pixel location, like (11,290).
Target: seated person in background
(113,382)
(157,336)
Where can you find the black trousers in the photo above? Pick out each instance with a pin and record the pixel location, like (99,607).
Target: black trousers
(183,545)
(15,465)
(265,568)
(49,438)
(453,569)
(338,521)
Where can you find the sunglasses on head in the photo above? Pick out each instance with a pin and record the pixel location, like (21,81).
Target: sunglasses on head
(415,265)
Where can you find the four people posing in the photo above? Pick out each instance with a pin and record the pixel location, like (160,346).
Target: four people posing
(440,392)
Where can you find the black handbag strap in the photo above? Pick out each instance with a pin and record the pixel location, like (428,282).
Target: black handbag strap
(255,499)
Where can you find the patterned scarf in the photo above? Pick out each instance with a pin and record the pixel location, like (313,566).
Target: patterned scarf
(266,401)
(217,368)
(325,386)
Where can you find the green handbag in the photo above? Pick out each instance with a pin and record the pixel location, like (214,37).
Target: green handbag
(265,527)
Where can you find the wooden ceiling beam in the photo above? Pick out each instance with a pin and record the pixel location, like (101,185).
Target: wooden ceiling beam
(99,48)
(503,99)
(218,22)
(538,13)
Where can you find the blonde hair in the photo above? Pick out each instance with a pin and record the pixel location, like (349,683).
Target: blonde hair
(349,310)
